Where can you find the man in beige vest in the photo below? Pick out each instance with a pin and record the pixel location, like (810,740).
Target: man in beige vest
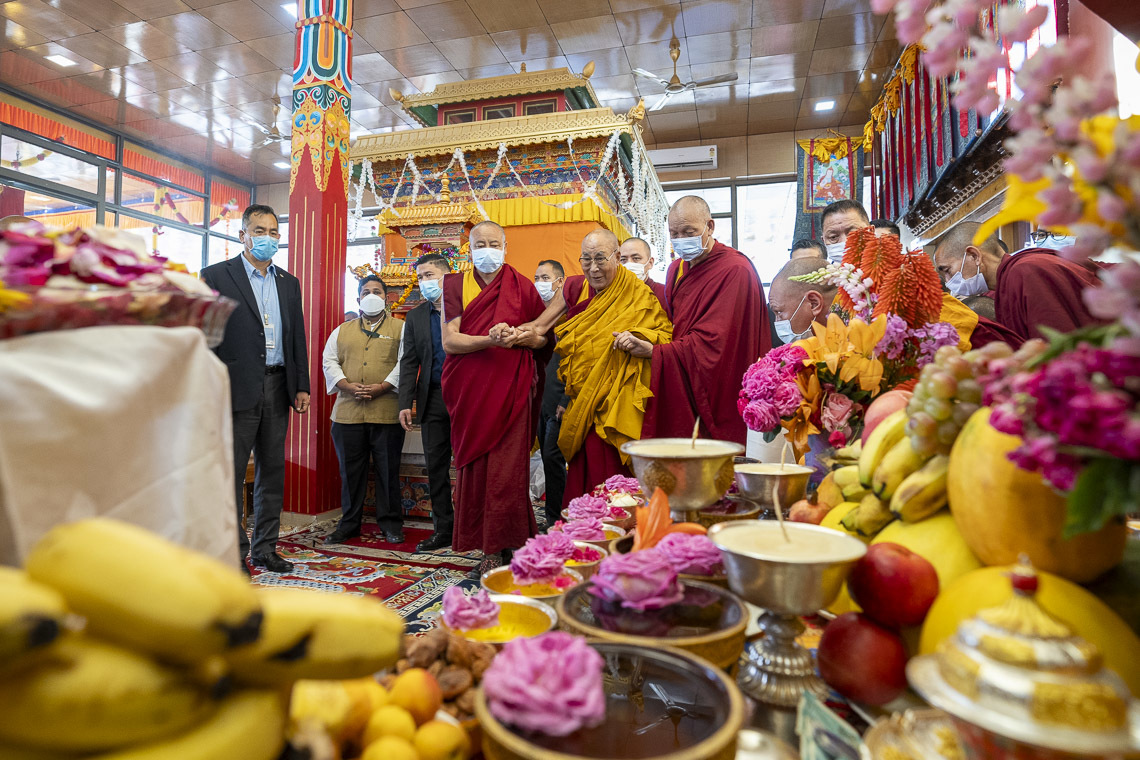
(362,367)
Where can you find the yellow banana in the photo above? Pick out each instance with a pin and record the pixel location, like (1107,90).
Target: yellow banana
(313,634)
(92,696)
(850,452)
(248,725)
(139,590)
(31,614)
(871,516)
(855,492)
(882,439)
(895,467)
(846,476)
(923,492)
(12,752)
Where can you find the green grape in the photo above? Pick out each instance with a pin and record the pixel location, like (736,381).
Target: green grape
(945,353)
(943,385)
(943,448)
(970,391)
(996,350)
(928,371)
(963,411)
(922,425)
(938,408)
(948,431)
(921,389)
(925,447)
(958,367)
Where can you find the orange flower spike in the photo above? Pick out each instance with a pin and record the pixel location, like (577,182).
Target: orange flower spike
(695,529)
(880,255)
(913,291)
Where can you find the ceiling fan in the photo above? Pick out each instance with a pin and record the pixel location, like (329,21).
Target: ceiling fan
(273,132)
(674,85)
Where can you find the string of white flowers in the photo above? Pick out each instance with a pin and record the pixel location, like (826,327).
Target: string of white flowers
(851,280)
(474,195)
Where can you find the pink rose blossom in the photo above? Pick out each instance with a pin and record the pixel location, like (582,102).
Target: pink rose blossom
(692,554)
(836,411)
(535,564)
(761,416)
(621,483)
(641,580)
(550,684)
(585,507)
(787,398)
(837,439)
(465,613)
(582,530)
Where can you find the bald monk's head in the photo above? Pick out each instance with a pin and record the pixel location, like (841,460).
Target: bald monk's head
(955,253)
(800,303)
(691,225)
(9,222)
(600,258)
(488,248)
(983,306)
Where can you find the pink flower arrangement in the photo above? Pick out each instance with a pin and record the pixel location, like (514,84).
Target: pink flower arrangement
(769,390)
(550,684)
(581,530)
(465,613)
(642,580)
(691,554)
(585,507)
(541,558)
(585,554)
(618,484)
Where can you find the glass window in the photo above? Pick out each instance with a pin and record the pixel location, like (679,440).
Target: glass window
(358,255)
(46,209)
(223,249)
(282,230)
(182,246)
(227,202)
(765,225)
(44,123)
(44,163)
(718,198)
(161,200)
(163,167)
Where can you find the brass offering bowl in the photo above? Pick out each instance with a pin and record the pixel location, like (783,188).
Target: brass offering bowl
(520,617)
(586,569)
(776,670)
(613,533)
(661,704)
(501,581)
(790,483)
(709,622)
(624,545)
(693,474)
(744,510)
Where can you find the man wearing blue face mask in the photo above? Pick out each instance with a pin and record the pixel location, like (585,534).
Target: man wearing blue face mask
(264,351)
(422,368)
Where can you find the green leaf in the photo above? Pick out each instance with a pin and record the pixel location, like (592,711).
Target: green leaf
(771,435)
(1105,489)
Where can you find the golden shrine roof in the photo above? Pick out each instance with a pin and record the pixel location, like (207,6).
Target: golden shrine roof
(507,85)
(432,213)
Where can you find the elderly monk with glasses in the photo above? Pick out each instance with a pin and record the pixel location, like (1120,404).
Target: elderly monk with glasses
(607,377)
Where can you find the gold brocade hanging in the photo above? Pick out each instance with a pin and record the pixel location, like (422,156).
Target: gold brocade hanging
(890,101)
(823,149)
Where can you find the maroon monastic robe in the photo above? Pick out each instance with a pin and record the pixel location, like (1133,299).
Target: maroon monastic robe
(493,398)
(720,327)
(659,291)
(989,331)
(1036,287)
(596,460)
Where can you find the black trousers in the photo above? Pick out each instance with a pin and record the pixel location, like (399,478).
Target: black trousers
(354,445)
(262,430)
(435,429)
(553,466)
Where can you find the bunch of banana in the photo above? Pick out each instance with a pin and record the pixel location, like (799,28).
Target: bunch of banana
(120,645)
(867,519)
(849,454)
(847,478)
(910,485)
(31,615)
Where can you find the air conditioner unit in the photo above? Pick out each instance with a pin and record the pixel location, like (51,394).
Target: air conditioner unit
(684,159)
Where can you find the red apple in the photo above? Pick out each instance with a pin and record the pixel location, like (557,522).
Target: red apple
(893,585)
(881,408)
(862,660)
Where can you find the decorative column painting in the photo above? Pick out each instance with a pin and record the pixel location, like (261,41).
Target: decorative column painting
(318,217)
(828,169)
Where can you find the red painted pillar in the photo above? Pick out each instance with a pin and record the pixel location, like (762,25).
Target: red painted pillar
(318,223)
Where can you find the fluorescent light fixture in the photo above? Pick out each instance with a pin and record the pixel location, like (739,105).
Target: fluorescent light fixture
(290,8)
(281,164)
(60,60)
(825,105)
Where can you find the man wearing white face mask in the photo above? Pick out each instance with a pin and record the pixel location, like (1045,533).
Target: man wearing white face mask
(637,257)
(796,305)
(361,363)
(492,385)
(838,220)
(1032,289)
(549,278)
(720,326)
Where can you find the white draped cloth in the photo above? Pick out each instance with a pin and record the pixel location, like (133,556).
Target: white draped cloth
(127,422)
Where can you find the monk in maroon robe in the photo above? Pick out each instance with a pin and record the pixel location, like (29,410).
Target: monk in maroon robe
(1033,288)
(492,385)
(720,327)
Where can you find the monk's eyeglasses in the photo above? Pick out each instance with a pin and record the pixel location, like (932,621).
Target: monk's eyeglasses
(598,261)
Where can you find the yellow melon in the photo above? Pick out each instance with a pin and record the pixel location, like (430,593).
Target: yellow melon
(1004,511)
(832,519)
(936,538)
(1084,613)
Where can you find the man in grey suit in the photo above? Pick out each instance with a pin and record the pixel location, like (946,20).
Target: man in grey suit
(264,351)
(421,367)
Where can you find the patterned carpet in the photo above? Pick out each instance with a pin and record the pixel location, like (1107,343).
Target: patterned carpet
(410,583)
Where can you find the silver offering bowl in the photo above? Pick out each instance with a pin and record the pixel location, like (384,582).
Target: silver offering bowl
(693,474)
(789,484)
(776,670)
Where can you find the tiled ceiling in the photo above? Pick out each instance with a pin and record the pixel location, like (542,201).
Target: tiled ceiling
(195,77)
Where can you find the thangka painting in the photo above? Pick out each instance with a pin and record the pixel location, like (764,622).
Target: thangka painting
(827,170)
